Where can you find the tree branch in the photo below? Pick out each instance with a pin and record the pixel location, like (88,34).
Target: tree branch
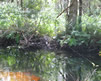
(62,75)
(65,10)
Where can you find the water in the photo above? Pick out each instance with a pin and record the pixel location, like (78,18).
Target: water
(22,65)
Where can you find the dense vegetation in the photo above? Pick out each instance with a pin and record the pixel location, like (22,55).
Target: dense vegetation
(76,25)
(70,25)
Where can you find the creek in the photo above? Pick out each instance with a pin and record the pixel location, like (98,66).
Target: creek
(48,65)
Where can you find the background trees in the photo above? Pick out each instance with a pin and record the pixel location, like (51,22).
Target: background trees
(82,22)
(76,22)
(79,20)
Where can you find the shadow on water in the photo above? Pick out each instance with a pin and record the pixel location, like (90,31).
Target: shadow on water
(47,65)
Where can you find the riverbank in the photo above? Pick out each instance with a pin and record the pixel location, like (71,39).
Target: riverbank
(37,42)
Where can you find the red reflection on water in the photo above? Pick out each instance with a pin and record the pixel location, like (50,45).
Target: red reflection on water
(18,76)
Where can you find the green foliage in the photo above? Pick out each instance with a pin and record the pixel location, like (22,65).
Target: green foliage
(11,60)
(33,6)
(76,38)
(11,16)
(47,23)
(90,34)
(39,17)
(8,60)
(31,19)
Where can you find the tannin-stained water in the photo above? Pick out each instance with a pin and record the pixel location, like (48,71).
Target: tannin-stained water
(42,65)
(17,76)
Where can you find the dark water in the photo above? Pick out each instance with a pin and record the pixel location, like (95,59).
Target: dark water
(50,66)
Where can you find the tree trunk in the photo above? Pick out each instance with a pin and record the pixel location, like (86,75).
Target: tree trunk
(21,3)
(90,11)
(72,16)
(80,15)
(12,0)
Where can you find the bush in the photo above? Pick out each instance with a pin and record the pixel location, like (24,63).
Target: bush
(15,18)
(90,34)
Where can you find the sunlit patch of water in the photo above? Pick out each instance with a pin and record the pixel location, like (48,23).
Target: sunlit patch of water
(17,76)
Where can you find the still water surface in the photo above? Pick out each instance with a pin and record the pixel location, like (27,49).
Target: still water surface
(16,64)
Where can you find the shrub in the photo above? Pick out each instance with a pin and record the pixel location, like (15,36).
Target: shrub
(90,34)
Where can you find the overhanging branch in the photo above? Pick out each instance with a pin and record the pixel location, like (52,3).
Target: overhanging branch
(65,10)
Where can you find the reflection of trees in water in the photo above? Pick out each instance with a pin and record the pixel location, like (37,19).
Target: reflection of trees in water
(40,62)
(48,65)
(79,69)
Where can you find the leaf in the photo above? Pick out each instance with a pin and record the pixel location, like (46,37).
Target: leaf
(11,60)
(72,42)
(10,35)
(17,38)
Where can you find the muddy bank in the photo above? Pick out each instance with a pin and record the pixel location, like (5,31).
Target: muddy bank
(34,43)
(37,42)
